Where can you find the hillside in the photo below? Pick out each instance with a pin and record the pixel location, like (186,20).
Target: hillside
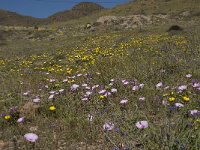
(187,8)
(12,18)
(79,10)
(172,7)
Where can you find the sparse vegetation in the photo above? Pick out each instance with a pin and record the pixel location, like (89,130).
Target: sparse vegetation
(64,87)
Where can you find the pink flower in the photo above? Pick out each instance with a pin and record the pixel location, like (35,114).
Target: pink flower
(78,75)
(74,87)
(142,124)
(160,84)
(88,93)
(107,94)
(31,137)
(20,120)
(102,91)
(108,126)
(194,112)
(135,88)
(182,87)
(95,86)
(179,105)
(125,83)
(196,85)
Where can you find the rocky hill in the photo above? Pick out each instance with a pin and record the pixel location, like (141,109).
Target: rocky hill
(79,10)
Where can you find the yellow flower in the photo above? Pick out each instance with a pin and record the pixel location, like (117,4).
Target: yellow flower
(198,121)
(165,94)
(52,108)
(186,98)
(101,97)
(7,117)
(171,99)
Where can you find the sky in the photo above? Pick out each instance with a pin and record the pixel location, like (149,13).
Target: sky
(45,8)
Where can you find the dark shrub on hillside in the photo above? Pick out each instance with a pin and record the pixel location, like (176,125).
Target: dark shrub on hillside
(175,28)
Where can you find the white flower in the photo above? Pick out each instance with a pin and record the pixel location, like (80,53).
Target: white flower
(84,99)
(113,90)
(164,102)
(124,101)
(36,100)
(188,76)
(26,93)
(166,88)
(52,80)
(142,98)
(71,77)
(61,90)
(98,73)
(51,97)
(65,80)
(87,88)
(111,84)
(141,85)
(90,117)
(84,85)
(123,81)
(112,80)
(52,92)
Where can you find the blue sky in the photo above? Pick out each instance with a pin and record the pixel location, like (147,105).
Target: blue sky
(45,8)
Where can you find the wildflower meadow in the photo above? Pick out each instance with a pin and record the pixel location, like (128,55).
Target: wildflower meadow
(113,91)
